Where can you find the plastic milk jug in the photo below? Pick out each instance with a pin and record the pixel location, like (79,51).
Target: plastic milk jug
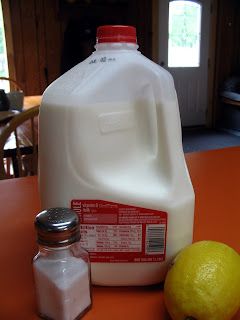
(110,148)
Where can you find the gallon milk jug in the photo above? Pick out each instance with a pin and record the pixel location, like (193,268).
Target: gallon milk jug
(110,148)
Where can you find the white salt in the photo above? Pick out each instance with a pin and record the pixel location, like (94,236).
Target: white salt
(62,286)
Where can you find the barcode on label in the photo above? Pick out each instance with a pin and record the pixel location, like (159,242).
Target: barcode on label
(155,238)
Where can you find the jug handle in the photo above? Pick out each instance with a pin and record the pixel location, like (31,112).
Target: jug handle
(169,135)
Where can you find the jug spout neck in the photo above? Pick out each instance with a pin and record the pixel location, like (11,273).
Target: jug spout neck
(116,46)
(116,37)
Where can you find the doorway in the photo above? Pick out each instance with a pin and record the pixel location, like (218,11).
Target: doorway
(184,28)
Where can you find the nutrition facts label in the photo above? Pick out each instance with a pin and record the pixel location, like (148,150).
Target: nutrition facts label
(112,238)
(113,232)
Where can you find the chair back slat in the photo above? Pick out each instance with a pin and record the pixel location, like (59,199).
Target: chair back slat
(25,158)
(34,144)
(18,154)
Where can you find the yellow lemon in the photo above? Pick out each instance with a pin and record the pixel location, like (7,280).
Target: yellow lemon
(204,283)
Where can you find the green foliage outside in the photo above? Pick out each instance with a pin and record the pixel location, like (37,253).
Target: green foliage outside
(184,29)
(1,40)
(3,56)
(3,72)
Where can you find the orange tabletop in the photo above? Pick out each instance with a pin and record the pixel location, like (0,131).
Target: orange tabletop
(215,176)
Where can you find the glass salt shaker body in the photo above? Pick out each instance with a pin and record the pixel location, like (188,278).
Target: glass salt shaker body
(61,268)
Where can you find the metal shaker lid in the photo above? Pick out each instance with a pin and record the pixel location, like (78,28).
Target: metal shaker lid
(57,227)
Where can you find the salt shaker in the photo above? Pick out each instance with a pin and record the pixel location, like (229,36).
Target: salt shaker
(61,267)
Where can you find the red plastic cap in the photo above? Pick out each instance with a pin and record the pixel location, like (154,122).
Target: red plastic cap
(116,33)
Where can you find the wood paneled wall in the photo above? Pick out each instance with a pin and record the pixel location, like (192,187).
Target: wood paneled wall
(37,39)
(227,56)
(228,40)
(38,28)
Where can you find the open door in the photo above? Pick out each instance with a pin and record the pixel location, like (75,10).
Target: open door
(183,51)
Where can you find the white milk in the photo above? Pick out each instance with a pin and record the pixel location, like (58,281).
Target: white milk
(110,131)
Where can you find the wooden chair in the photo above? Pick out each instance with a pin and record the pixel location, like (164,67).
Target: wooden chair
(16,95)
(18,141)
(13,83)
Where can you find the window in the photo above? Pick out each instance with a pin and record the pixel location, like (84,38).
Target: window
(184,32)
(3,54)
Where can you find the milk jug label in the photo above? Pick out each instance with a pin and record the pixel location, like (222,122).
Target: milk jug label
(113,232)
